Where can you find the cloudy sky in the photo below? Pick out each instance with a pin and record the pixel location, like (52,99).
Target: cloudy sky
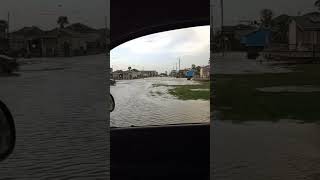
(44,13)
(161,51)
(234,10)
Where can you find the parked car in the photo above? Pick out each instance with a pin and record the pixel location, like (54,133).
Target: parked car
(8,64)
(112,82)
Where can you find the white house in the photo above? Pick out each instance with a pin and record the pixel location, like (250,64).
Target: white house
(304,32)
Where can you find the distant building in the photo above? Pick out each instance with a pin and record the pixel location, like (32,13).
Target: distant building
(173,73)
(182,73)
(233,34)
(132,74)
(76,39)
(205,72)
(256,41)
(304,32)
(27,41)
(149,73)
(117,75)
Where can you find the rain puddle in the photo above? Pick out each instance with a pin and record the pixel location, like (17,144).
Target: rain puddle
(302,89)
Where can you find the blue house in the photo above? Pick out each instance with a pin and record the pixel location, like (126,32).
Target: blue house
(259,38)
(256,42)
(190,74)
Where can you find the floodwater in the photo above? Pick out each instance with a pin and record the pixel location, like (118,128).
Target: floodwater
(61,123)
(265,151)
(258,150)
(139,103)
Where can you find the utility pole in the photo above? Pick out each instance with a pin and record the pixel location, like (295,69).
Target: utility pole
(8,30)
(179,63)
(222,24)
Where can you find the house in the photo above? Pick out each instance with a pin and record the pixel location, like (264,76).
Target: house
(26,41)
(117,75)
(182,73)
(190,74)
(256,41)
(304,32)
(149,73)
(76,39)
(232,36)
(95,39)
(173,73)
(131,74)
(64,43)
(205,72)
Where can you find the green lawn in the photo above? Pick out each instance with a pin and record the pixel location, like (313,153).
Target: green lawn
(185,92)
(237,97)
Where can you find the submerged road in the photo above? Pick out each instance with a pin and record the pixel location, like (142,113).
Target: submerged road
(261,150)
(61,123)
(139,103)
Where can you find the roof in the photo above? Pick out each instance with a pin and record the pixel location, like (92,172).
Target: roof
(238,27)
(61,32)
(310,21)
(81,28)
(205,67)
(29,31)
(256,39)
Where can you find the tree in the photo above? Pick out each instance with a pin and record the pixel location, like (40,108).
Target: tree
(129,68)
(317,4)
(193,66)
(198,68)
(62,21)
(266,16)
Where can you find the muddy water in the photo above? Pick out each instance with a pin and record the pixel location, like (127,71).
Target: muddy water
(265,150)
(139,103)
(59,107)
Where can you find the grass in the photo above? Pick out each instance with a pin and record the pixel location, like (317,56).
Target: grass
(184,92)
(238,93)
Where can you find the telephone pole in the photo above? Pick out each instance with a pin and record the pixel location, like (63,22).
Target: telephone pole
(8,30)
(179,63)
(222,24)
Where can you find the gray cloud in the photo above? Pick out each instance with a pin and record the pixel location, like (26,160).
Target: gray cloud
(44,13)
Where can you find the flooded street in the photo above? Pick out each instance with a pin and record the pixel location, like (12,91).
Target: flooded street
(262,150)
(265,150)
(60,117)
(139,103)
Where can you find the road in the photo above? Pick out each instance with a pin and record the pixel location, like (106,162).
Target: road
(61,123)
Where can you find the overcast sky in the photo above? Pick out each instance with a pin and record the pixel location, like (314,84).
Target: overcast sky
(44,13)
(236,10)
(161,51)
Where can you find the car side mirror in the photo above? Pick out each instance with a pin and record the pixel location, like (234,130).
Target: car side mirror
(7,132)
(111,103)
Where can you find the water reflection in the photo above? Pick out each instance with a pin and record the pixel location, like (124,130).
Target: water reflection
(139,103)
(265,150)
(60,118)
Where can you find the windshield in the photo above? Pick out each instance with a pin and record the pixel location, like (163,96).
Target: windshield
(162,78)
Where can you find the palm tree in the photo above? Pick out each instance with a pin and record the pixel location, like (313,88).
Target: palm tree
(317,4)
(62,20)
(266,16)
